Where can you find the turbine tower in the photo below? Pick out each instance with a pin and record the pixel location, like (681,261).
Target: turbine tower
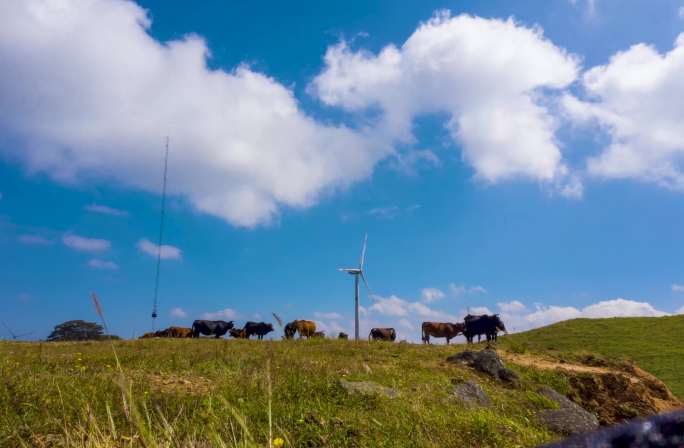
(358,272)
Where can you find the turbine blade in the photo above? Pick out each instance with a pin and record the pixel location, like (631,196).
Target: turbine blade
(363,252)
(278,319)
(363,277)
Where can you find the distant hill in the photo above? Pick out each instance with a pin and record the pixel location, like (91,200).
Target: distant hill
(656,344)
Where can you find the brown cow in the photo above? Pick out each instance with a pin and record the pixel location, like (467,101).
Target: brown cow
(238,334)
(441,330)
(179,332)
(383,334)
(148,335)
(319,335)
(306,328)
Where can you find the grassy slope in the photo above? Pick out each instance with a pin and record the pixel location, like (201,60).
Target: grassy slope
(215,392)
(656,344)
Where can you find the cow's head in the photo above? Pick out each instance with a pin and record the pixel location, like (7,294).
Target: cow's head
(290,330)
(499,324)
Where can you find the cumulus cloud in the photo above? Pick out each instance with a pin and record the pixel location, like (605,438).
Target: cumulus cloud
(105,210)
(91,94)
(448,65)
(398,307)
(621,308)
(226,313)
(429,295)
(637,100)
(85,244)
(680,310)
(458,290)
(518,318)
(167,252)
(513,306)
(178,313)
(34,240)
(96,263)
(330,316)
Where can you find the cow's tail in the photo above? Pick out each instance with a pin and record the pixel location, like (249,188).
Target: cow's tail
(423,331)
(195,330)
(370,334)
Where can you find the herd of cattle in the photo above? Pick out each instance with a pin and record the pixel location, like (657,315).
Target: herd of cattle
(482,325)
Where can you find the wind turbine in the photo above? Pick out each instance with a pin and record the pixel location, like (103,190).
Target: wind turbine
(14,335)
(358,272)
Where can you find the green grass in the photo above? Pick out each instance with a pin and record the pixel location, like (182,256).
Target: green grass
(656,344)
(216,393)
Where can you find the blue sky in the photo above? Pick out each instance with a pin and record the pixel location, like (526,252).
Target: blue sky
(501,157)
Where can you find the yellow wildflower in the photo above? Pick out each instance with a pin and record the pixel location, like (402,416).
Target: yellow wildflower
(278,442)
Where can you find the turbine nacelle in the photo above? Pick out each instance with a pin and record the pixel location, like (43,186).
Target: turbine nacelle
(351,271)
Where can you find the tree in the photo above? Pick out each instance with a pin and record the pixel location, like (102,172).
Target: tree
(78,330)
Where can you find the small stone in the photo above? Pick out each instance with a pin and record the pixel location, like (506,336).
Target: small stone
(471,395)
(368,388)
(570,419)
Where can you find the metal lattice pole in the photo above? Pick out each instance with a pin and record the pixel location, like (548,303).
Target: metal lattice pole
(161,235)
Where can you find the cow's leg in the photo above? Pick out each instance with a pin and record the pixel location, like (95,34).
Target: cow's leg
(448,339)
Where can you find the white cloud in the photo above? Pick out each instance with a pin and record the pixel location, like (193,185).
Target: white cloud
(517,318)
(429,295)
(85,244)
(227,313)
(96,263)
(167,252)
(513,306)
(458,290)
(387,212)
(680,311)
(105,210)
(178,313)
(621,308)
(478,310)
(91,96)
(34,239)
(390,306)
(636,99)
(680,12)
(329,316)
(677,288)
(455,66)
(397,307)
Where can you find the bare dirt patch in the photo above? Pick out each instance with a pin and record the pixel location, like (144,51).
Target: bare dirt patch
(613,394)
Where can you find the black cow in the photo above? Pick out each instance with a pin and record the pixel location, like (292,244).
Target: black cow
(260,329)
(342,335)
(208,327)
(486,324)
(384,334)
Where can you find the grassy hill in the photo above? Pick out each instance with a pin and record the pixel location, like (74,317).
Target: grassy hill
(656,344)
(217,392)
(235,393)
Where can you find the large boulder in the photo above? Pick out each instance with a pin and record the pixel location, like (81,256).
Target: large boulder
(471,395)
(569,419)
(367,388)
(486,361)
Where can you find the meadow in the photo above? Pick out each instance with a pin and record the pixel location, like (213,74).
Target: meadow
(655,344)
(237,393)
(243,393)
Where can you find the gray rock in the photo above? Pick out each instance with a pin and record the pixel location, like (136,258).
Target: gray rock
(570,419)
(471,395)
(367,388)
(486,361)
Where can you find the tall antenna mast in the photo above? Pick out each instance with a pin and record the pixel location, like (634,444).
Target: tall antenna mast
(161,234)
